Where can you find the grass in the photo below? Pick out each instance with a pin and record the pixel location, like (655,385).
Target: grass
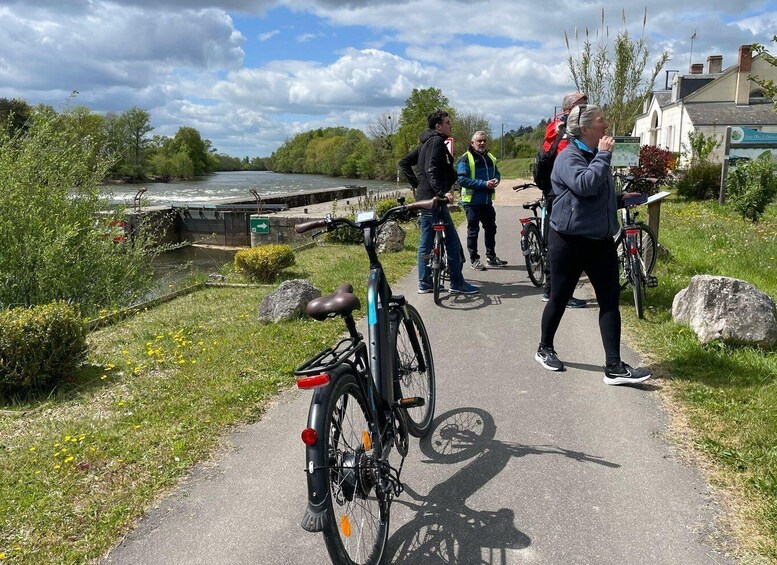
(516,168)
(727,395)
(81,465)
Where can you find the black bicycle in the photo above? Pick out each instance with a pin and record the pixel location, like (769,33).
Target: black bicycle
(368,396)
(438,260)
(637,244)
(534,237)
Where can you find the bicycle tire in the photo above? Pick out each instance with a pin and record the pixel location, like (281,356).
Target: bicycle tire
(411,381)
(647,245)
(636,285)
(535,258)
(438,259)
(353,531)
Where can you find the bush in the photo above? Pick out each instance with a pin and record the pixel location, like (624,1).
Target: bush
(265,262)
(700,182)
(751,186)
(39,346)
(654,162)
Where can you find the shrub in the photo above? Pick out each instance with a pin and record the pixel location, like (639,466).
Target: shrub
(654,162)
(700,182)
(39,346)
(751,186)
(265,262)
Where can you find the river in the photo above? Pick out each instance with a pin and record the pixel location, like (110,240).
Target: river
(173,268)
(235,184)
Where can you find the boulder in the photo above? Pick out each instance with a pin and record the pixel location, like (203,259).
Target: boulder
(728,309)
(391,238)
(288,301)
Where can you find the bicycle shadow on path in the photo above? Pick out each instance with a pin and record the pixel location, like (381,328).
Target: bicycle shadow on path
(444,529)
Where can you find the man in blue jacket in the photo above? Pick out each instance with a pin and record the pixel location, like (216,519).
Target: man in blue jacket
(478,179)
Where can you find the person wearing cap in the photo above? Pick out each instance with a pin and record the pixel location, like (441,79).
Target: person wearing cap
(558,123)
(582,228)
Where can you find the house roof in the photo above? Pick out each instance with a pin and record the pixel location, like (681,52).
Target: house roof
(663,98)
(727,114)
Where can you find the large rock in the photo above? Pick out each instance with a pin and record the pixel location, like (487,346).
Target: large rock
(391,238)
(731,310)
(288,301)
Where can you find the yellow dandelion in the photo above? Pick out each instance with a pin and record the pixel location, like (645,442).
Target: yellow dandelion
(57,466)
(33,448)
(69,459)
(137,426)
(104,377)
(124,352)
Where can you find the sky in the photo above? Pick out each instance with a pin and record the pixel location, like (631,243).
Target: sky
(250,74)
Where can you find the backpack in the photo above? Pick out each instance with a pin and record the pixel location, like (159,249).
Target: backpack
(543,162)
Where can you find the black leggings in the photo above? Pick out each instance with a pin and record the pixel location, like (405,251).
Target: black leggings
(570,255)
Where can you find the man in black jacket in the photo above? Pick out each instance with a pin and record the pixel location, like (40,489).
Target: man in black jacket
(436,177)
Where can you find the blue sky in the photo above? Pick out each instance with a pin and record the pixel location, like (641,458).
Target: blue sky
(249,74)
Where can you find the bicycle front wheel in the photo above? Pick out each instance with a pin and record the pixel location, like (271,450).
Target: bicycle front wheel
(354,530)
(535,258)
(413,351)
(636,284)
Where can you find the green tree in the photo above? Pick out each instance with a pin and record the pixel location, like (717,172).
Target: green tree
(465,127)
(14,115)
(137,124)
(55,240)
(613,76)
(412,119)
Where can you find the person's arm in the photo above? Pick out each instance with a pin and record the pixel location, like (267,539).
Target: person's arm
(406,165)
(584,179)
(465,178)
(436,165)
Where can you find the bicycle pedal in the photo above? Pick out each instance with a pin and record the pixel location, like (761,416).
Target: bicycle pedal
(651,281)
(410,402)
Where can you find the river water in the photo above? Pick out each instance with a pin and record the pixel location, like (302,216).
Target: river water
(232,185)
(173,268)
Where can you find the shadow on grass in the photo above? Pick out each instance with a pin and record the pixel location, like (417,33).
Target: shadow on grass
(88,377)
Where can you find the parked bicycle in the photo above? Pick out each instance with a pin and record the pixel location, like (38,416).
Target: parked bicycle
(534,237)
(636,242)
(438,261)
(368,396)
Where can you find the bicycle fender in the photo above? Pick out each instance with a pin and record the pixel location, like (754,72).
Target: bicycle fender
(315,468)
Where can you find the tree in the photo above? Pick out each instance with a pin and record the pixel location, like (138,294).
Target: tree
(137,123)
(770,89)
(412,119)
(465,127)
(14,115)
(614,77)
(383,131)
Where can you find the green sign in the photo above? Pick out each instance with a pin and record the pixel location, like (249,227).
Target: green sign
(626,152)
(260,224)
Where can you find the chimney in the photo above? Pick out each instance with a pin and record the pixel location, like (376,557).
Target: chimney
(714,64)
(697,69)
(743,81)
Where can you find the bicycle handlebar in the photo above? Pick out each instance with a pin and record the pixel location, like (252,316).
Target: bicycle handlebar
(524,186)
(331,223)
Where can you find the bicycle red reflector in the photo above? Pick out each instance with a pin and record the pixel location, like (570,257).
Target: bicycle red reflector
(314,381)
(439,227)
(523,232)
(632,231)
(309,436)
(525,221)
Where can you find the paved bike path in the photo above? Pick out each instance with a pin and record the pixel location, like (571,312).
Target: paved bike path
(523,465)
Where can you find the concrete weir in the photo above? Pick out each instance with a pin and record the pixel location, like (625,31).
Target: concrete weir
(228,222)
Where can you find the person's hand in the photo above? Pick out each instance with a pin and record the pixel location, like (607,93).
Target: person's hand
(449,196)
(606,143)
(627,195)
(491,184)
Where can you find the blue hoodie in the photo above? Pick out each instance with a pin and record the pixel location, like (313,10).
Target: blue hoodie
(474,190)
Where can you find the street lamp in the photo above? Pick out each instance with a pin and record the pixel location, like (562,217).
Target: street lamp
(502,150)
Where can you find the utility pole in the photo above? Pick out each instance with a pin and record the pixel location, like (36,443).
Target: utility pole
(502,140)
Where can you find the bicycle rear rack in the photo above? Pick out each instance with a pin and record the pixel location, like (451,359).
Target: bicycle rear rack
(329,358)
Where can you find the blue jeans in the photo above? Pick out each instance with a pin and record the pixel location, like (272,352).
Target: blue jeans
(452,246)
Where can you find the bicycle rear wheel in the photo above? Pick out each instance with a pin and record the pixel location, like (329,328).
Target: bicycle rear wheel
(353,530)
(412,381)
(439,263)
(647,246)
(637,284)
(535,258)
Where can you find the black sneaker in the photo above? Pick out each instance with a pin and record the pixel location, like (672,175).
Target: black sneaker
(576,303)
(623,374)
(545,296)
(547,357)
(495,262)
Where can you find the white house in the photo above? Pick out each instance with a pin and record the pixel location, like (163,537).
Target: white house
(708,102)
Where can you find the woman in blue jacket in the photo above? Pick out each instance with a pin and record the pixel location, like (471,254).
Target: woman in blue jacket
(583,224)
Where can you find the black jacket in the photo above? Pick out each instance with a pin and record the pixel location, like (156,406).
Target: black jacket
(436,172)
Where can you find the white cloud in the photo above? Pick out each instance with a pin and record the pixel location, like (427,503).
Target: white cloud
(268,35)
